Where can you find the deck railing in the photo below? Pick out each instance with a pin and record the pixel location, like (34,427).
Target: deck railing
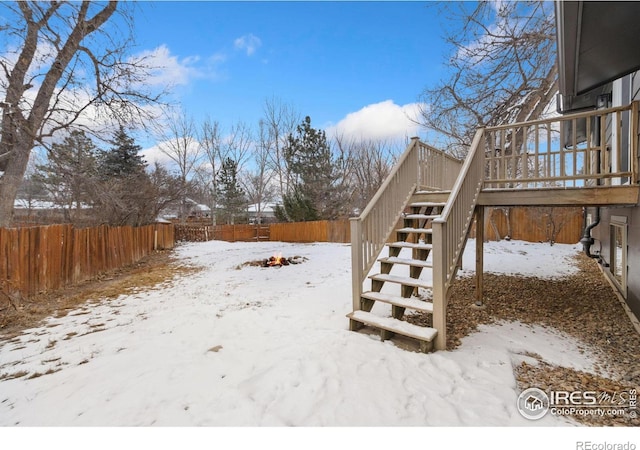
(370,231)
(450,232)
(592,148)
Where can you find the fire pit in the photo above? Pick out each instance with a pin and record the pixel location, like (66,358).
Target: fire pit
(279,261)
(275,261)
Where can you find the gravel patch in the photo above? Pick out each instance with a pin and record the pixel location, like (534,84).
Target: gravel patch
(583,306)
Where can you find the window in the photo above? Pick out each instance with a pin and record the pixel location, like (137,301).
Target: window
(618,256)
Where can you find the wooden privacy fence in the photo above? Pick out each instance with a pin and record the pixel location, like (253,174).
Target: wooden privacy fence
(229,233)
(317,231)
(534,224)
(46,258)
(563,225)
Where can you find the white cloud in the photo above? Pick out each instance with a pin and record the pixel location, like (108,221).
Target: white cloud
(168,69)
(384,120)
(249,43)
(161,152)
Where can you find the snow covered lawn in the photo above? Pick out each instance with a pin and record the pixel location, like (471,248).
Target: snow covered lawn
(237,345)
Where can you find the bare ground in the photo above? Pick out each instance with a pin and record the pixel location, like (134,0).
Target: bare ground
(157,268)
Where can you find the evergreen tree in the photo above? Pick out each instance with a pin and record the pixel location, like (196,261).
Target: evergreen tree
(316,192)
(70,173)
(296,208)
(122,159)
(126,195)
(231,197)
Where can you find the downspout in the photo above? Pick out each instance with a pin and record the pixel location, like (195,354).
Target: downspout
(587,240)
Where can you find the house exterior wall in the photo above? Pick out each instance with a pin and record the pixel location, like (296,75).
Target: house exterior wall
(624,90)
(603,243)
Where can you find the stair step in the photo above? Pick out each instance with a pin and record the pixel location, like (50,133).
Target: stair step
(415,230)
(410,303)
(421,216)
(418,246)
(406,261)
(427,204)
(432,192)
(407,281)
(394,325)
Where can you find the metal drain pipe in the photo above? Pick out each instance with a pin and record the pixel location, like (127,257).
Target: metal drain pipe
(587,240)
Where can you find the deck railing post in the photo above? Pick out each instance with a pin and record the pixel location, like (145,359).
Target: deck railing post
(440,259)
(356,262)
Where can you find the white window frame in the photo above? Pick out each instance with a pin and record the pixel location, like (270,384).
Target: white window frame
(615,257)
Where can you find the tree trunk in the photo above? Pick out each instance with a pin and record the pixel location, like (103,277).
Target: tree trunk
(11,180)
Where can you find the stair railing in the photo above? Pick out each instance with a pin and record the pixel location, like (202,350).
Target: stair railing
(420,165)
(438,170)
(371,230)
(450,232)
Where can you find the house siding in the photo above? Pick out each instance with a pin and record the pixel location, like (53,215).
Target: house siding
(628,89)
(603,244)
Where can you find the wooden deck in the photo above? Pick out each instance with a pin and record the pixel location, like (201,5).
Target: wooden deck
(562,196)
(578,196)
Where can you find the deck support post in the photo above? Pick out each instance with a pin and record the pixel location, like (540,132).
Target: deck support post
(479,256)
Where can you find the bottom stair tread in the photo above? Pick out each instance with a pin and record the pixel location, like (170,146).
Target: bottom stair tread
(394,325)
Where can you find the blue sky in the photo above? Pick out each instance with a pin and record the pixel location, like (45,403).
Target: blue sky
(359,66)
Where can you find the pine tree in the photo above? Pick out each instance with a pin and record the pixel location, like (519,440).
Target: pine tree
(122,159)
(316,193)
(231,197)
(125,195)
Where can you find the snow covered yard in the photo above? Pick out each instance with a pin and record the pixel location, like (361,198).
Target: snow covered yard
(236,345)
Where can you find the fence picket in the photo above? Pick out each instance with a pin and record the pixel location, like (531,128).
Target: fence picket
(46,258)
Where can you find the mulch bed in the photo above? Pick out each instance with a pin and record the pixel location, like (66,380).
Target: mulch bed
(583,306)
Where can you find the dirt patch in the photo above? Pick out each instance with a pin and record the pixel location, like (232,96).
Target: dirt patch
(583,306)
(158,268)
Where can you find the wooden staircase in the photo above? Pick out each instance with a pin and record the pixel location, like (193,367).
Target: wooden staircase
(428,201)
(411,282)
(435,197)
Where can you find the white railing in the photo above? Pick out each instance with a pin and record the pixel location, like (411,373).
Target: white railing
(592,148)
(450,232)
(371,230)
(438,170)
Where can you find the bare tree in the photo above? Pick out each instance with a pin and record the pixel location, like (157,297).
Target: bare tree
(553,221)
(257,182)
(180,144)
(210,140)
(238,144)
(502,70)
(280,120)
(58,66)
(369,164)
